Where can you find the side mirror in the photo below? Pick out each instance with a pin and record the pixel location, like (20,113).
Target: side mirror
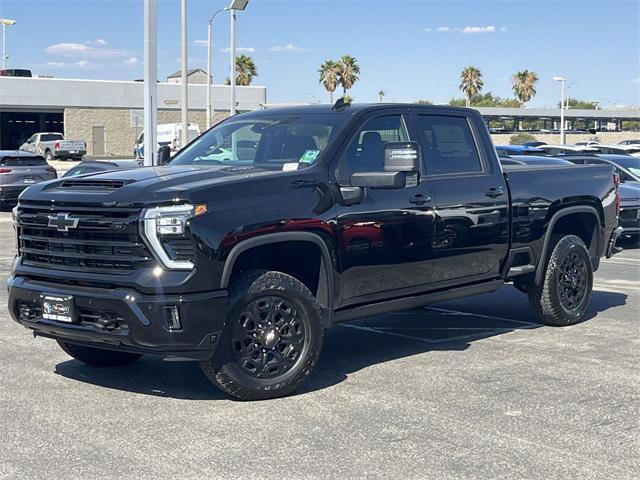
(164,155)
(400,168)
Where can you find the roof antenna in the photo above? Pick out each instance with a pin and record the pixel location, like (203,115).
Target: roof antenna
(340,105)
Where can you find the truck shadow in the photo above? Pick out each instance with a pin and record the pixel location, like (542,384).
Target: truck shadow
(350,347)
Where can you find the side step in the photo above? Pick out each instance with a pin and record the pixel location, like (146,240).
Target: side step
(406,303)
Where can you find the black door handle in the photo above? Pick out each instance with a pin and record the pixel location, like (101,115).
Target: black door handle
(419,199)
(494,192)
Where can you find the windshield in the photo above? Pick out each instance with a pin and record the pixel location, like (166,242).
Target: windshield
(275,142)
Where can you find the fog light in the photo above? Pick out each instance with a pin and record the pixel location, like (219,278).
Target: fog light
(171,317)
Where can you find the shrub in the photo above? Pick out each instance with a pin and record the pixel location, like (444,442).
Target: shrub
(520,138)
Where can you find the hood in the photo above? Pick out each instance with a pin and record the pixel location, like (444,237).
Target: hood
(143,186)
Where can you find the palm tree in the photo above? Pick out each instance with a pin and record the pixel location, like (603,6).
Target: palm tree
(245,71)
(471,83)
(349,72)
(330,76)
(524,85)
(381,95)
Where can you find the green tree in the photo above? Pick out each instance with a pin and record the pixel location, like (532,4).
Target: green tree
(471,83)
(424,101)
(330,76)
(485,100)
(580,104)
(524,85)
(381,95)
(520,138)
(245,71)
(349,73)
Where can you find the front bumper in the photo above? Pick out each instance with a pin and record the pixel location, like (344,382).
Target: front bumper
(123,319)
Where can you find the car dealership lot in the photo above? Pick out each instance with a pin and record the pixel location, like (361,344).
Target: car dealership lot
(467,389)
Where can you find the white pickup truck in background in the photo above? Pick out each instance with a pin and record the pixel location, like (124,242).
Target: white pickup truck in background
(52,145)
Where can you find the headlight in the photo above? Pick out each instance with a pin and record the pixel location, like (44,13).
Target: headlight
(167,224)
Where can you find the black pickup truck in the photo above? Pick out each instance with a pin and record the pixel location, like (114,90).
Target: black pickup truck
(275,225)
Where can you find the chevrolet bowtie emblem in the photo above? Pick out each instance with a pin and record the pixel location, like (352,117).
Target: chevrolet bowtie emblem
(63,222)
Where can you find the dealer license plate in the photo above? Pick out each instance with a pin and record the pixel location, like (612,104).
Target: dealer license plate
(59,308)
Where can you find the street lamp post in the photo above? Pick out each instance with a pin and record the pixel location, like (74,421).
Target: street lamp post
(150,82)
(209,73)
(184,87)
(234,7)
(562,81)
(5,22)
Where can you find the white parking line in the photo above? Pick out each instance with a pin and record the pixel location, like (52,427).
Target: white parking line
(490,317)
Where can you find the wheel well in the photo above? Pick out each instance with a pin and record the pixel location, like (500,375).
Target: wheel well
(581,224)
(301,259)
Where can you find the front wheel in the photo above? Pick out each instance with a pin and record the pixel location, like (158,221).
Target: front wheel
(272,338)
(97,357)
(564,295)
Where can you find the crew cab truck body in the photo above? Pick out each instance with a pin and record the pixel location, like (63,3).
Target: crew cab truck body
(52,145)
(335,214)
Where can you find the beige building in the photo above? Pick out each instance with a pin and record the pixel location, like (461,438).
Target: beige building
(107,115)
(194,76)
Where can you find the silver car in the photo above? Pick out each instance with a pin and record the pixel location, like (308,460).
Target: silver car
(18,170)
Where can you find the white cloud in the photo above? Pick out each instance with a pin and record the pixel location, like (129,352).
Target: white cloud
(101,42)
(78,64)
(289,48)
(443,29)
(200,43)
(132,61)
(503,29)
(240,49)
(82,50)
(428,29)
(487,29)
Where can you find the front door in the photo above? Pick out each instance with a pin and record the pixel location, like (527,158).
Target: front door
(385,241)
(98,141)
(472,205)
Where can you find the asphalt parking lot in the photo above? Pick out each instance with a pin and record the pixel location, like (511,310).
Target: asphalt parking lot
(460,390)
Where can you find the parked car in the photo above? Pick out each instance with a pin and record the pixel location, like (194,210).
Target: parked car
(518,150)
(100,166)
(633,150)
(52,145)
(533,160)
(19,170)
(567,149)
(535,143)
(168,134)
(587,143)
(626,166)
(629,142)
(629,218)
(339,213)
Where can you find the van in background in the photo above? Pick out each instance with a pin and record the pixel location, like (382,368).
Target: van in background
(168,134)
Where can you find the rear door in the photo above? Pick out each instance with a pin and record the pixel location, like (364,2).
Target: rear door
(471,201)
(385,241)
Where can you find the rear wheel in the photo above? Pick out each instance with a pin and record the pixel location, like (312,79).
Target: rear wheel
(564,295)
(272,339)
(97,357)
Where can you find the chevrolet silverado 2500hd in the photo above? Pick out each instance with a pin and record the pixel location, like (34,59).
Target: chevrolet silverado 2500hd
(315,215)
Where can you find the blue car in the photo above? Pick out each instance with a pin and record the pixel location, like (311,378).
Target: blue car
(504,150)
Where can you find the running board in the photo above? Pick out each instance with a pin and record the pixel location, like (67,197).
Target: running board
(406,303)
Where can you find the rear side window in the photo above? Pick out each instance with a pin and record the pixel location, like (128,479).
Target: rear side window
(50,137)
(447,145)
(22,162)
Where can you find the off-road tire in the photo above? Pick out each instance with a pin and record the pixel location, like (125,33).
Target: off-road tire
(97,357)
(547,299)
(229,373)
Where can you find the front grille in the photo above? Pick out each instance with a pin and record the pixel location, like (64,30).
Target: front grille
(104,240)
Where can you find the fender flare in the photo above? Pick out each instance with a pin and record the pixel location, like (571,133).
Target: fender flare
(563,212)
(281,237)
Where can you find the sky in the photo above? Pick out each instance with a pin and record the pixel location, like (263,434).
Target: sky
(410,49)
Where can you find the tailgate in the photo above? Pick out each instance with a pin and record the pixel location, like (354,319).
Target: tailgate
(71,145)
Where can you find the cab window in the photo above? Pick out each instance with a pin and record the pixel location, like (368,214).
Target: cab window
(365,151)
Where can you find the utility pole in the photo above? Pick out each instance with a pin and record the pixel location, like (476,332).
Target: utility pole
(210,109)
(150,82)
(562,81)
(232,107)
(184,87)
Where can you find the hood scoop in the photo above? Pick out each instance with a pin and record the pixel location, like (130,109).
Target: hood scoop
(92,184)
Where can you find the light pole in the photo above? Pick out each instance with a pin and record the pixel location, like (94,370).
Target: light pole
(562,81)
(150,82)
(5,56)
(234,7)
(209,73)
(184,87)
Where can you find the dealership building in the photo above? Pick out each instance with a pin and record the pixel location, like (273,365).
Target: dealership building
(107,115)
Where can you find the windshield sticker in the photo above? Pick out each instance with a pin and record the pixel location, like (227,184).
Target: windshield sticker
(309,156)
(289,167)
